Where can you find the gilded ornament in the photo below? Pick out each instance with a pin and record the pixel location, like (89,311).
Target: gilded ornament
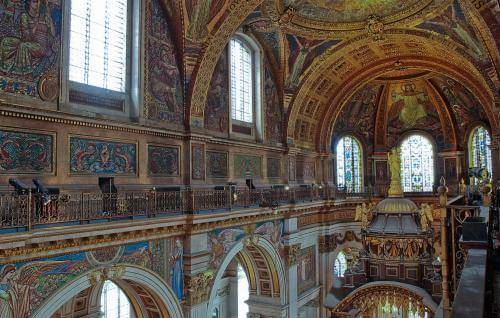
(375,28)
(394,160)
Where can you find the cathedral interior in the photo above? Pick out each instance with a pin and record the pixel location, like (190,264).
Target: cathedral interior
(249,158)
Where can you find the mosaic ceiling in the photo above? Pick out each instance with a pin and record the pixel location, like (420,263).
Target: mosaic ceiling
(323,51)
(345,11)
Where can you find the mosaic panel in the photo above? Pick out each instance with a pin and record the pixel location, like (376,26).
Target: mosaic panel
(25,152)
(198,162)
(217,164)
(273,168)
(30,34)
(163,161)
(274,115)
(220,241)
(217,107)
(247,166)
(306,269)
(30,283)
(92,156)
(163,95)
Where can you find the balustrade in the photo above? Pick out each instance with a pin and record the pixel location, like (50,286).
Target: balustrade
(25,211)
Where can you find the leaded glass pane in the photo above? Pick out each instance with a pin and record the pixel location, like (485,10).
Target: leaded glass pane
(480,149)
(417,164)
(349,164)
(98,43)
(241,81)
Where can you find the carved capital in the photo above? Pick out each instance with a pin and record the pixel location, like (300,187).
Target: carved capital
(198,287)
(291,254)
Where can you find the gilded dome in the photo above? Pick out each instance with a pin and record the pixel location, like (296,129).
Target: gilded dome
(396,205)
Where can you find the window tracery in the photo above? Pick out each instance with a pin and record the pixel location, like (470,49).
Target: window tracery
(479,149)
(417,164)
(349,164)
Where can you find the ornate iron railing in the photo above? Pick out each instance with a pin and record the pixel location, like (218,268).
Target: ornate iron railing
(29,210)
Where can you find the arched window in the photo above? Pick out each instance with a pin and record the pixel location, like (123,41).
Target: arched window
(243,292)
(349,164)
(340,265)
(114,302)
(479,149)
(98,43)
(242,81)
(417,164)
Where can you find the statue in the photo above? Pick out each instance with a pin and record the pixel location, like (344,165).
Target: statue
(426,217)
(394,159)
(462,188)
(363,214)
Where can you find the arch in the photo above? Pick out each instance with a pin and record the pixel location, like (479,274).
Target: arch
(257,244)
(357,164)
(382,288)
(408,162)
(332,256)
(131,274)
(238,11)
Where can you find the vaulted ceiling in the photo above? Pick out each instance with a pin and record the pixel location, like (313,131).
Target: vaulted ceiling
(323,52)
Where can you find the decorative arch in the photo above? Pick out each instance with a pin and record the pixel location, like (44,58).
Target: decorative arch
(247,249)
(141,280)
(342,94)
(330,279)
(366,296)
(237,12)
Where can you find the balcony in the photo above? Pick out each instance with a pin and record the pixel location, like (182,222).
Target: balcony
(23,212)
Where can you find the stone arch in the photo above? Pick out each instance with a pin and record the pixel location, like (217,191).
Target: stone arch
(266,263)
(382,289)
(130,278)
(333,256)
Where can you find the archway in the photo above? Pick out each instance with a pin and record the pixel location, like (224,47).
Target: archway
(264,268)
(148,293)
(367,299)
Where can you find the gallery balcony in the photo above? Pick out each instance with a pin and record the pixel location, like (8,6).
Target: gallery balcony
(31,210)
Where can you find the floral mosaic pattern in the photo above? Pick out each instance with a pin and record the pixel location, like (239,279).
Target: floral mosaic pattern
(22,152)
(91,156)
(163,161)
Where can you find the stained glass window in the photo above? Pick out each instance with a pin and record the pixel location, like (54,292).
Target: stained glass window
(479,149)
(98,43)
(340,265)
(417,164)
(349,164)
(241,81)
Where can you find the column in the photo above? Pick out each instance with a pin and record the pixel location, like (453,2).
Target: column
(291,252)
(196,276)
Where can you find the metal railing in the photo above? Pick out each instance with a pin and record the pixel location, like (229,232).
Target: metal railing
(25,211)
